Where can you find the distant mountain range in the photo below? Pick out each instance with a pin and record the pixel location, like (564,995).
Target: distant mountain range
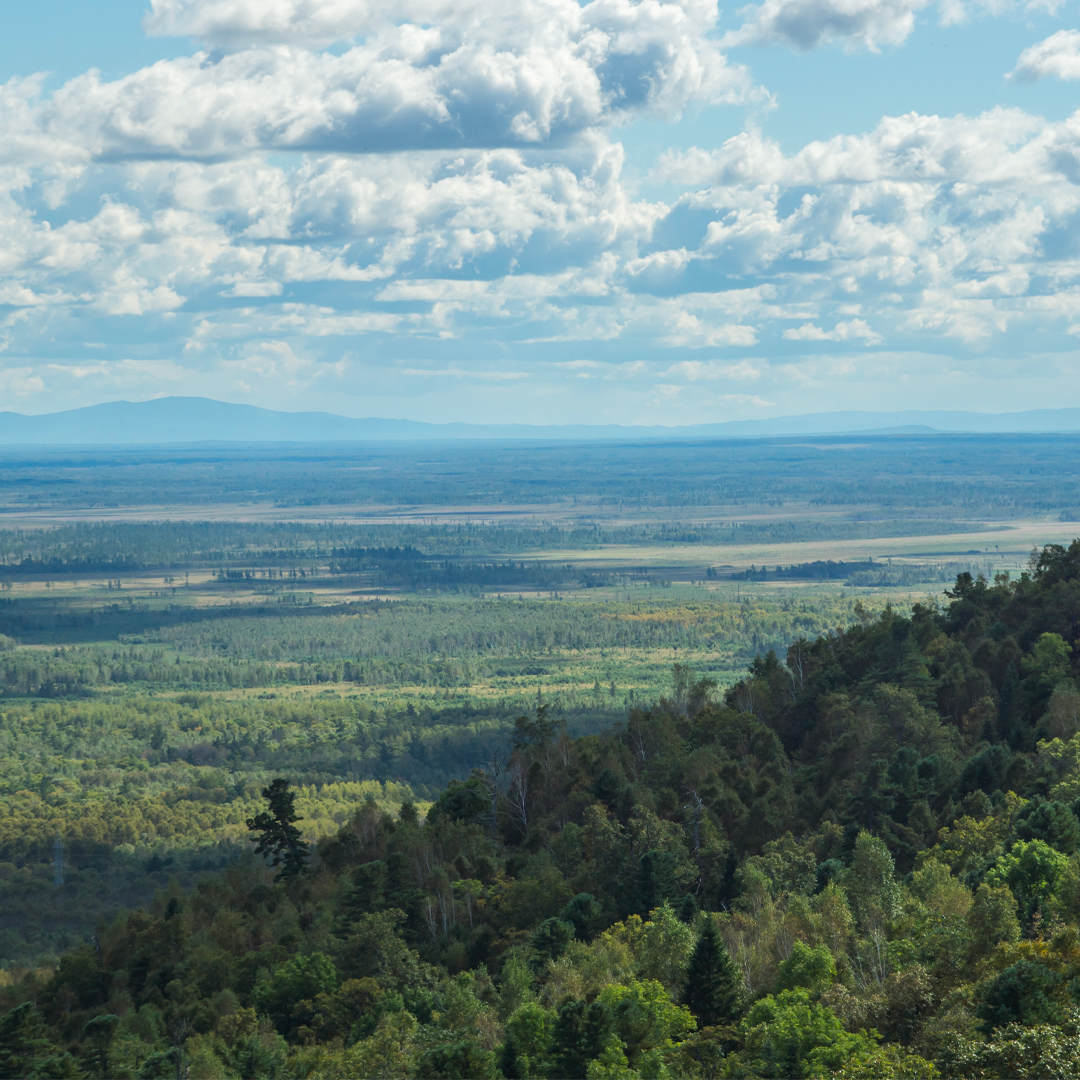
(197,420)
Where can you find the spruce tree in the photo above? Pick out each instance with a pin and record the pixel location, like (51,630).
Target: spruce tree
(712,983)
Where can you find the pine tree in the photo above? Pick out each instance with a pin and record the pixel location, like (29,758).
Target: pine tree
(655,880)
(577,1038)
(280,837)
(21,1042)
(509,1065)
(549,941)
(712,983)
(689,909)
(367,895)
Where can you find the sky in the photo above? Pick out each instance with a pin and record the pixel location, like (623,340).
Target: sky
(549,211)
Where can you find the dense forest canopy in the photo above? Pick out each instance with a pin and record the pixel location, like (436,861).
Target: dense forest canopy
(436,555)
(861,860)
(430,642)
(899,478)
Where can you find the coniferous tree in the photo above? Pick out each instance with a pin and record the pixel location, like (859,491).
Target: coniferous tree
(584,914)
(729,882)
(461,1061)
(97,1035)
(280,838)
(689,909)
(655,880)
(550,940)
(509,1065)
(712,983)
(577,1038)
(21,1042)
(367,895)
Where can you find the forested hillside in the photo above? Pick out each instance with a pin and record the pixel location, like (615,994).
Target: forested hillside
(862,861)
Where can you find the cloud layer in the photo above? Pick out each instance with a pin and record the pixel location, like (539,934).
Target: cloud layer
(544,72)
(443,199)
(924,226)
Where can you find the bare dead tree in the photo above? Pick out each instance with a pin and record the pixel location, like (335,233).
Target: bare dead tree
(425,863)
(470,891)
(564,745)
(431,917)
(517,793)
(795,661)
(784,941)
(870,963)
(447,908)
(744,700)
(178,1030)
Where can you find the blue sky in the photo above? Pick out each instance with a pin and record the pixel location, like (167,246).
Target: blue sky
(631,211)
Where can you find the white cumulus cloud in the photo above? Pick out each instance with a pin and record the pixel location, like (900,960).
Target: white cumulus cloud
(1058,55)
(936,225)
(926,227)
(806,24)
(855,330)
(285,99)
(696,370)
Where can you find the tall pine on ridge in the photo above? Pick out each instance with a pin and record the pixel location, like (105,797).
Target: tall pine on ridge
(278,835)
